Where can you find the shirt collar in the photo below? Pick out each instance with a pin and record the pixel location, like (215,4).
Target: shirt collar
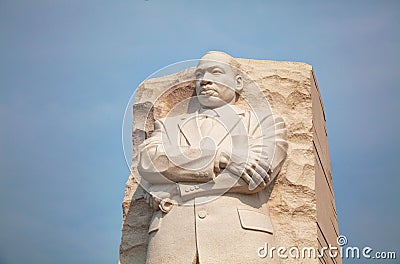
(221,111)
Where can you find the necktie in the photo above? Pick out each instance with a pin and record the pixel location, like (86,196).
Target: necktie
(206,123)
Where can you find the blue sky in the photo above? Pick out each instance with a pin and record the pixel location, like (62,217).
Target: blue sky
(68,68)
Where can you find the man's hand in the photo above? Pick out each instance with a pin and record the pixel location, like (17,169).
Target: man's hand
(159,196)
(222,162)
(256,174)
(253,172)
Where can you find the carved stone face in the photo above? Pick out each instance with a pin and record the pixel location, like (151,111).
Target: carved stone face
(216,82)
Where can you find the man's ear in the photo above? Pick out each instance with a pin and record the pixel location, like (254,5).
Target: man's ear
(239,83)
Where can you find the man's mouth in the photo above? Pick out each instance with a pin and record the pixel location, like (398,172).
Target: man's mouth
(208,92)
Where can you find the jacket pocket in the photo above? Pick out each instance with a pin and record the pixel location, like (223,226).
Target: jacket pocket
(155,221)
(253,220)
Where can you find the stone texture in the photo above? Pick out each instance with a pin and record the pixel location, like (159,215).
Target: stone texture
(301,205)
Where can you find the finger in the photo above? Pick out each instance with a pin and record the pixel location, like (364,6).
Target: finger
(256,178)
(249,181)
(262,168)
(246,177)
(261,171)
(223,162)
(265,170)
(251,184)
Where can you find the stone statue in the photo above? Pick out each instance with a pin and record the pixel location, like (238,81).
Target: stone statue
(208,174)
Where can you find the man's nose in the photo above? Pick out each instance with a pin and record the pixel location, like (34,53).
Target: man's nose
(205,82)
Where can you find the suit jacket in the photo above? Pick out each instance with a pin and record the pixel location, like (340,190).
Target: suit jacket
(218,217)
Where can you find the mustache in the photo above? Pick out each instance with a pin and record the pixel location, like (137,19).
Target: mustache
(207,88)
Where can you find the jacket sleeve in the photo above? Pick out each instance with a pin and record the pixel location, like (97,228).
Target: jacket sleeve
(267,142)
(163,161)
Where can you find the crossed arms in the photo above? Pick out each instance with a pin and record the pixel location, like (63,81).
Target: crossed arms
(163,161)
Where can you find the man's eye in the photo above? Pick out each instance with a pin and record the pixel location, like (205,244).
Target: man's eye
(198,75)
(217,71)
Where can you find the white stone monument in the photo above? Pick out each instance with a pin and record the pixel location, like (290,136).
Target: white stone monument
(230,159)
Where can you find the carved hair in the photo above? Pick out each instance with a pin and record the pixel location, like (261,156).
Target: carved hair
(231,60)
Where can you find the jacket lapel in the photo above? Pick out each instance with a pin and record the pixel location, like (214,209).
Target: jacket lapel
(189,129)
(232,119)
